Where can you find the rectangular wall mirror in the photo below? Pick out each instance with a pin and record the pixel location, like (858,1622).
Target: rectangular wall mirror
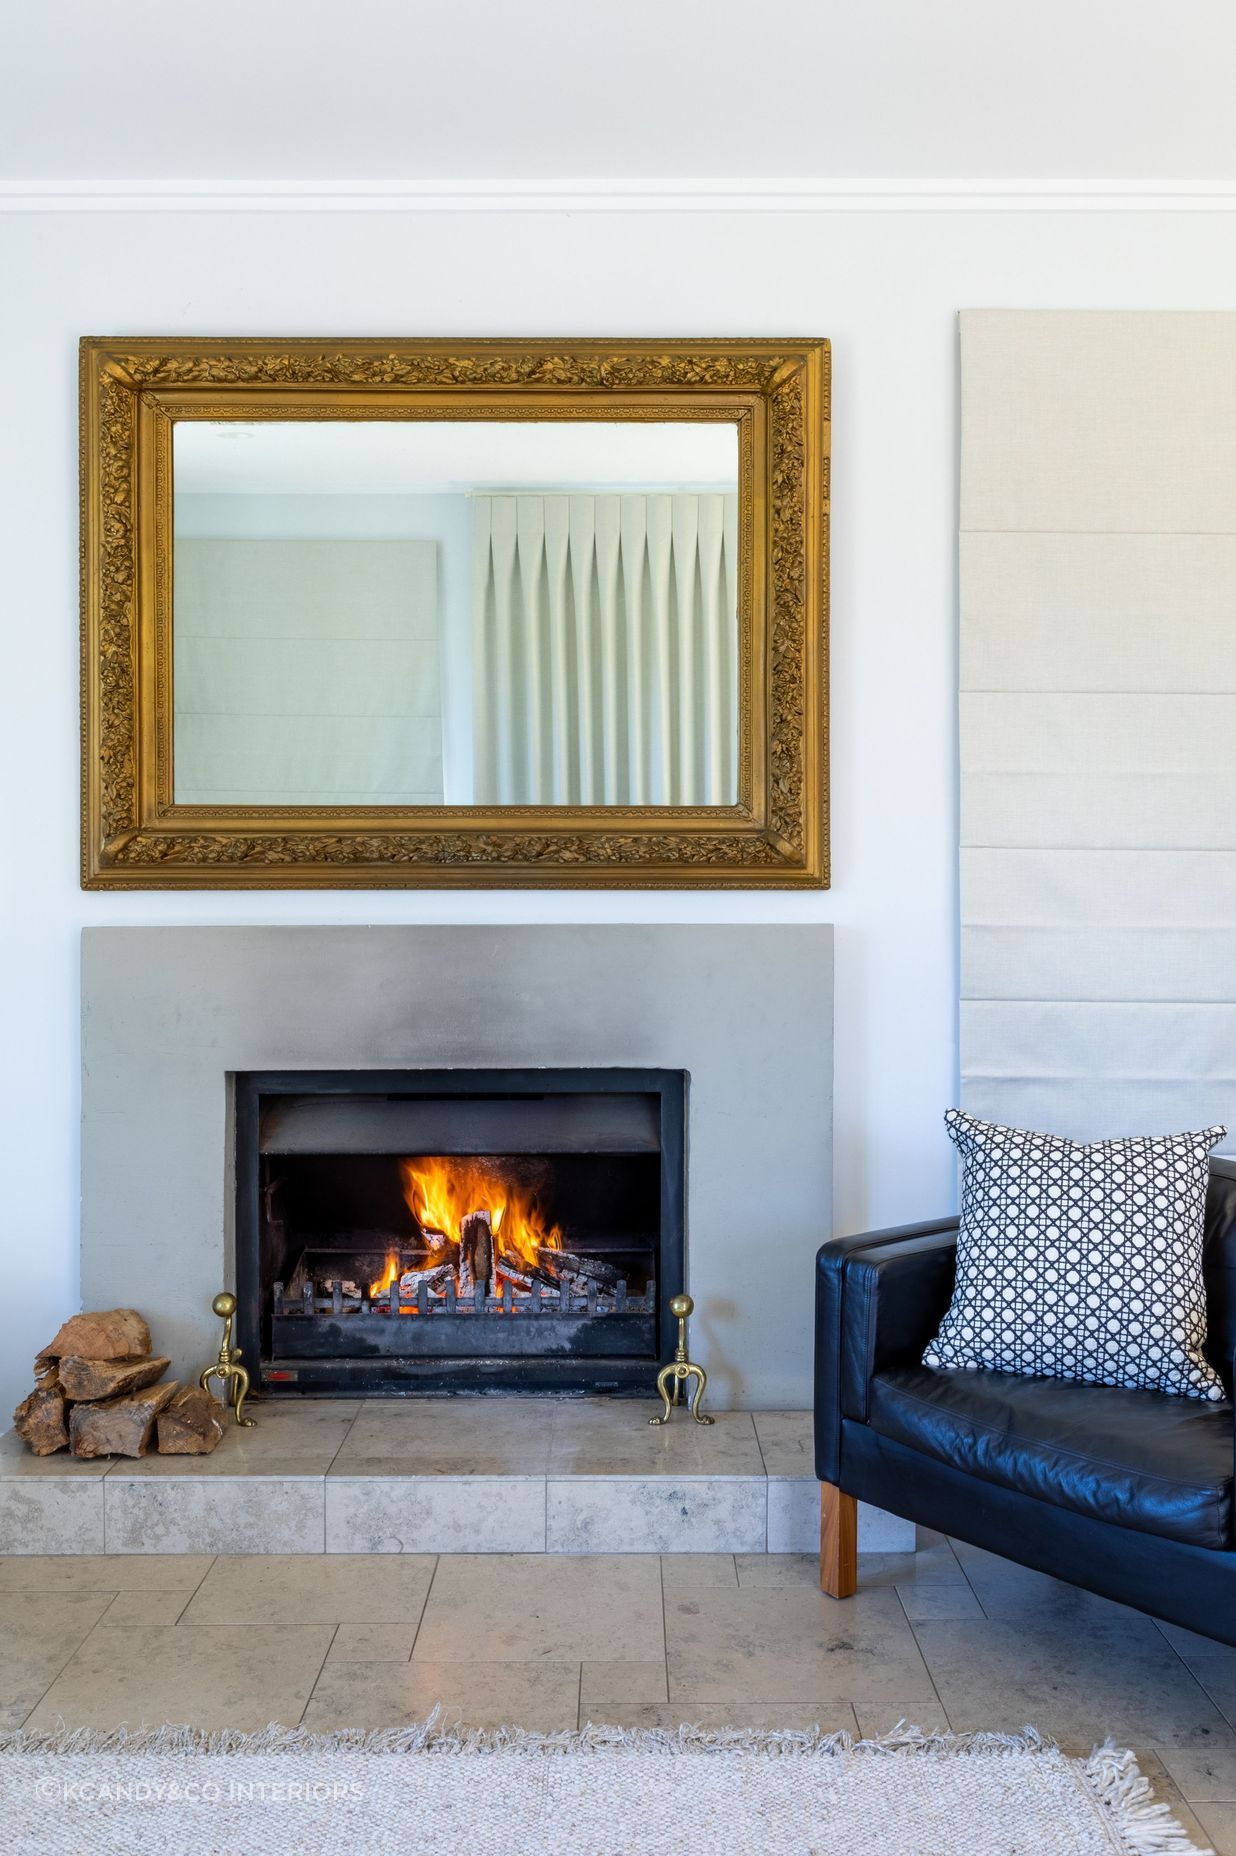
(542,613)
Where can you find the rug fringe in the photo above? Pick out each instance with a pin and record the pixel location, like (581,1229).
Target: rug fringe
(430,1736)
(1124,1794)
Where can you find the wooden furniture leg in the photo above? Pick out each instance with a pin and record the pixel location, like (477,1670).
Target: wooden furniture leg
(838,1542)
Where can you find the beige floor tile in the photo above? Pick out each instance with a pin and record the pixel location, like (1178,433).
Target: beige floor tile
(299,1439)
(1217,1824)
(372,1643)
(541,1697)
(612,1437)
(18,1462)
(275,1452)
(790,1644)
(304,1411)
(606,1682)
(690,1569)
(787,1442)
(1205,1774)
(132,1608)
(743,1716)
(1005,1590)
(104,1572)
(529,1607)
(771,1570)
(201,1675)
(925,1599)
(39,1631)
(877,1718)
(1112,1677)
(929,1583)
(325,1588)
(1214,1665)
(453,1437)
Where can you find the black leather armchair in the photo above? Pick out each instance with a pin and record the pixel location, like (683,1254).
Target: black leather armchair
(1129,1494)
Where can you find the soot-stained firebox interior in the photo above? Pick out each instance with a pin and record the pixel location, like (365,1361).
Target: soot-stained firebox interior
(462,1230)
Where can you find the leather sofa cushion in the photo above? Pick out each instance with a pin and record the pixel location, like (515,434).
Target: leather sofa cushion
(1142,1460)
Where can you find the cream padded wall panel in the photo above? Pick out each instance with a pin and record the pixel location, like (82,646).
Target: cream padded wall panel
(307,671)
(1098,720)
(1098,612)
(1098,422)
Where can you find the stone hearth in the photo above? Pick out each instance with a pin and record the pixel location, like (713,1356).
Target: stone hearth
(464,1475)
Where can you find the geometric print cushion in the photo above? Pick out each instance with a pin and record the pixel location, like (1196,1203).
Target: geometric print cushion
(1080,1260)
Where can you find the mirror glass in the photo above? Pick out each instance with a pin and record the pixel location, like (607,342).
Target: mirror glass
(455,613)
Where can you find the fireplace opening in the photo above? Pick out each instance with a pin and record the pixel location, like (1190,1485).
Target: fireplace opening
(402,1232)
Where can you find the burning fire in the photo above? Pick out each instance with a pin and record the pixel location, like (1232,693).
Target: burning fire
(442,1192)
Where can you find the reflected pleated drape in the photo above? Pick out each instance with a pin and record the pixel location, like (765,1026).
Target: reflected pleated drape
(606,649)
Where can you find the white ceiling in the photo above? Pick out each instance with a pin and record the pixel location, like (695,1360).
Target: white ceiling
(319,90)
(417,459)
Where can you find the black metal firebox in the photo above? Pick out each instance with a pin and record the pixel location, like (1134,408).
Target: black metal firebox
(436,1231)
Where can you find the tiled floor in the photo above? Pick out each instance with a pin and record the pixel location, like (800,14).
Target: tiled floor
(947,1637)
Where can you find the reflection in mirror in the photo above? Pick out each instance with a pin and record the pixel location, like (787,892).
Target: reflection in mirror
(461,613)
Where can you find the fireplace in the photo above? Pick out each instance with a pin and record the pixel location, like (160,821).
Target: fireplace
(438,1231)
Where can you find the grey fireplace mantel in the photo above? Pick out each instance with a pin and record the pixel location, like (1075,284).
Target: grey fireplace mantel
(169,1015)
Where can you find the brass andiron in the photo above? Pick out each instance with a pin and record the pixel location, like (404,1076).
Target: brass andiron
(681,1369)
(227,1367)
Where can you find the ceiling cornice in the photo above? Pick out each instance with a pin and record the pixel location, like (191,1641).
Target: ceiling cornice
(619,196)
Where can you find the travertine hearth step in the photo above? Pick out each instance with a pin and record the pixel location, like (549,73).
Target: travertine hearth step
(467,1475)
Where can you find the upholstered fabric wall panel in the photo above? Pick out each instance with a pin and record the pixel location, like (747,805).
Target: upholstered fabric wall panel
(307,672)
(1098,720)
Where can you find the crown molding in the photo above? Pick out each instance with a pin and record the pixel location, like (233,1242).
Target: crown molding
(618,196)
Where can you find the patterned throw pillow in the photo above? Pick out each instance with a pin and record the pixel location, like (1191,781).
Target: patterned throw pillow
(1081,1261)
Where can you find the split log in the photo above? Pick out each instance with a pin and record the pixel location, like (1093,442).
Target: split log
(476,1253)
(520,1270)
(117,1334)
(46,1370)
(434,1278)
(92,1379)
(119,1426)
(39,1420)
(567,1261)
(512,1273)
(192,1424)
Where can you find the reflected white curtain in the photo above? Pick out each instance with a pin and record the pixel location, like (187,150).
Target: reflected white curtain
(606,649)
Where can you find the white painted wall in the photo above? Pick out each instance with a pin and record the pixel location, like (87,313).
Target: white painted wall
(885,286)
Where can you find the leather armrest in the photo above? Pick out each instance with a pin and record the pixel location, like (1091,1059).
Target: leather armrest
(916,1296)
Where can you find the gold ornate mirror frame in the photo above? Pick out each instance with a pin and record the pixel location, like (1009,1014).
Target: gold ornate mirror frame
(133,834)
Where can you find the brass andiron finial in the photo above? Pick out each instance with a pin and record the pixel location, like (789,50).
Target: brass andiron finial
(227,1367)
(681,1369)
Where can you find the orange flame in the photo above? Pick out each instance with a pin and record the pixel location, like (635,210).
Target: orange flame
(390,1274)
(441,1192)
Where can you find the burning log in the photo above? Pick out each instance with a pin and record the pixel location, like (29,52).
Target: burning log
(119,1426)
(192,1424)
(91,1379)
(523,1273)
(476,1253)
(435,1278)
(567,1262)
(39,1420)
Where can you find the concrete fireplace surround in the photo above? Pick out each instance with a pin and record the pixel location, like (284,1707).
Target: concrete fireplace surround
(170,1015)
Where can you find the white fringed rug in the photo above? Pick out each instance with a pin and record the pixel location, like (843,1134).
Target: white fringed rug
(599,1793)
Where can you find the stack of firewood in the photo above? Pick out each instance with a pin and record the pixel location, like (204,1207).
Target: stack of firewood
(100,1391)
